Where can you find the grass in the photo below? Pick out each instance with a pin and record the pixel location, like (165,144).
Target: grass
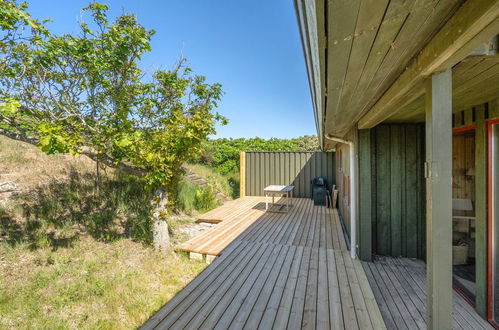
(92,285)
(226,184)
(192,199)
(74,250)
(58,213)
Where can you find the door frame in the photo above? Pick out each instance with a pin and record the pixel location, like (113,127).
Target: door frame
(467,128)
(490,123)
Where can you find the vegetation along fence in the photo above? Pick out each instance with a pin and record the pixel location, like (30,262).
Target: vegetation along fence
(261,169)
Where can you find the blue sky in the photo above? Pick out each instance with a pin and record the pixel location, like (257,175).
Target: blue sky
(252,48)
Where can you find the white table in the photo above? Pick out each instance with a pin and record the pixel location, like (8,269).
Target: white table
(273,190)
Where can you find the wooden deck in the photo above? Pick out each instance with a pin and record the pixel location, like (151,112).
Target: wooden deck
(303,225)
(399,285)
(280,271)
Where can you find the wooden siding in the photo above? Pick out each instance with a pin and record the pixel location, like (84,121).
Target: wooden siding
(394,156)
(287,168)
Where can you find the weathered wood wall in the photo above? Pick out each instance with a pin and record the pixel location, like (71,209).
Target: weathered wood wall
(392,202)
(287,168)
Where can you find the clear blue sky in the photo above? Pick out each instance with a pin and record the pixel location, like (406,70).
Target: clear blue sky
(252,48)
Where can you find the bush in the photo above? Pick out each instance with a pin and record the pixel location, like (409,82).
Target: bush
(205,199)
(192,198)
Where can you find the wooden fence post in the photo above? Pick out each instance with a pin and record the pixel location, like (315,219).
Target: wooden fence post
(242,174)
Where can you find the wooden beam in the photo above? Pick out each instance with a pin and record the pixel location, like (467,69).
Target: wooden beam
(439,200)
(481,212)
(475,22)
(242,174)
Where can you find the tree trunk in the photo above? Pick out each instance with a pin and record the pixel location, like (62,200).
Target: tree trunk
(161,237)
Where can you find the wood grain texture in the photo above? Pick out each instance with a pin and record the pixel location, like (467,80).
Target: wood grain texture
(399,287)
(285,271)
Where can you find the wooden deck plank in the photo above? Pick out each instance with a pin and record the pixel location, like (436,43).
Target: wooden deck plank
(296,314)
(272,308)
(335,307)
(204,292)
(198,284)
(349,314)
(256,315)
(370,300)
(205,310)
(274,271)
(408,278)
(310,306)
(251,298)
(463,312)
(224,300)
(380,300)
(322,321)
(398,300)
(211,272)
(407,298)
(390,302)
(228,315)
(281,320)
(363,317)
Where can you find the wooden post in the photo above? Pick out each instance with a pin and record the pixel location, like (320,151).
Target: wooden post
(365,196)
(438,170)
(242,174)
(481,212)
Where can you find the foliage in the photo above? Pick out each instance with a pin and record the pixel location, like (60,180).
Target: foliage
(93,285)
(218,181)
(223,154)
(86,94)
(193,198)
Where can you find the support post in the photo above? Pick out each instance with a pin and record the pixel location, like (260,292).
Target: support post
(438,172)
(481,211)
(242,174)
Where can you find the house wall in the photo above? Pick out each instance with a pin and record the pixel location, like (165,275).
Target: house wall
(287,168)
(391,164)
(392,205)
(343,178)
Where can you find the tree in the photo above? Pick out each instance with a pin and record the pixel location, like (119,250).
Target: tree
(86,94)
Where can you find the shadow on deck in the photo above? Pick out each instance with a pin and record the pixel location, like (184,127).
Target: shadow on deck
(274,270)
(399,285)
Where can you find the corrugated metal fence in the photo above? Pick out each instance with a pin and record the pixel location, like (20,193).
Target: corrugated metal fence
(262,169)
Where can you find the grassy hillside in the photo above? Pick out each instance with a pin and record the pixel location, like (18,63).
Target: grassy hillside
(74,249)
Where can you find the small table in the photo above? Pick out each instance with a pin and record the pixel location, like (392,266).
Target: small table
(278,190)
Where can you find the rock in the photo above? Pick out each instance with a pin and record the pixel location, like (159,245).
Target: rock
(8,187)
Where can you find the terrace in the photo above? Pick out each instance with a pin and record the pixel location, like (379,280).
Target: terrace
(293,270)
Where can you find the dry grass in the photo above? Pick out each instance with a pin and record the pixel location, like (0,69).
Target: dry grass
(70,255)
(91,285)
(29,167)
